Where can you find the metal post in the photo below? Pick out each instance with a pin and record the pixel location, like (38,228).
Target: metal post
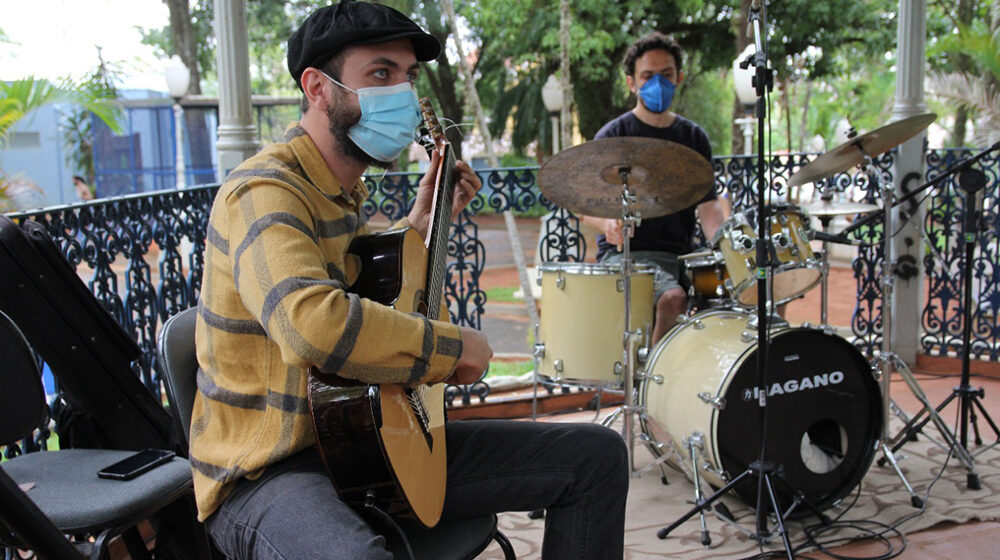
(555,133)
(907,297)
(181,181)
(237,131)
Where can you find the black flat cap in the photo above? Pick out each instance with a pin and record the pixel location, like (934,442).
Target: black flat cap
(329,29)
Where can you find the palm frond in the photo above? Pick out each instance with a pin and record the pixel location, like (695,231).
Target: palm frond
(10,113)
(23,96)
(972,92)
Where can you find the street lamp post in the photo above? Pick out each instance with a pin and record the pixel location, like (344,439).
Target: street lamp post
(178,80)
(747,96)
(552,97)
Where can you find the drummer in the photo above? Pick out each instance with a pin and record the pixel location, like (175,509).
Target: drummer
(652,72)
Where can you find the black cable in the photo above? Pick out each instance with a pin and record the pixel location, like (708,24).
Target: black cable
(388,520)
(813,532)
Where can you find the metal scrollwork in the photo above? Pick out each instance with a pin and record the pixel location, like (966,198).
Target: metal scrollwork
(144,251)
(943,315)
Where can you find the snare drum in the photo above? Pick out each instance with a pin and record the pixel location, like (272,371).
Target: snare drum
(582,320)
(797,271)
(823,405)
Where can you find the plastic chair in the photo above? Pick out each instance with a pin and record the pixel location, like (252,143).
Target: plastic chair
(452,540)
(48,494)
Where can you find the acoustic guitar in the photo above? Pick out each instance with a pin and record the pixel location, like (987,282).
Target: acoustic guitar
(384,444)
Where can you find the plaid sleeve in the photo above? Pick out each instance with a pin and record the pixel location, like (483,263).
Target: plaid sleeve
(285,280)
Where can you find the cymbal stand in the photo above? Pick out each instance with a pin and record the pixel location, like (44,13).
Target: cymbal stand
(972,181)
(824,286)
(886,358)
(763,470)
(630,338)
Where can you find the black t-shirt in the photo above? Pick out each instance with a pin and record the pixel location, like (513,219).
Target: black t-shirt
(671,233)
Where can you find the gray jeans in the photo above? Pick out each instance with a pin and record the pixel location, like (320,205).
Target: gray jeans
(577,472)
(668,269)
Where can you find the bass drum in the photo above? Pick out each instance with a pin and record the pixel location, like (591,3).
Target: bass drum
(824,410)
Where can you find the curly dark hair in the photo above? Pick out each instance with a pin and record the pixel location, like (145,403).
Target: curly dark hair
(648,42)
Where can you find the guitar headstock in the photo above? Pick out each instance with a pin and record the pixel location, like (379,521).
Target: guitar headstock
(434,133)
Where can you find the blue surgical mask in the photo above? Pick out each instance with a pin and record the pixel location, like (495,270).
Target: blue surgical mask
(657,93)
(389,119)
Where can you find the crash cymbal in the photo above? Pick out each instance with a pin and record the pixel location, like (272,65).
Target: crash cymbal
(664,176)
(851,153)
(822,208)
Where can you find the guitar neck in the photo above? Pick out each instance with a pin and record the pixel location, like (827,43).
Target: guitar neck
(437,237)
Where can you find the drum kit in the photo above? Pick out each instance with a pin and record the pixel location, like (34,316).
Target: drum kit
(693,395)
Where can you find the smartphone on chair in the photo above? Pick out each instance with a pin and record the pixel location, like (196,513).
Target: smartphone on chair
(136,464)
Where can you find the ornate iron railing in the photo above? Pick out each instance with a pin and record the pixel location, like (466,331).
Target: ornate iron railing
(144,251)
(945,232)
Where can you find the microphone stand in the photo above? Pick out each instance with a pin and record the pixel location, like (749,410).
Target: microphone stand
(972,181)
(762,469)
(968,396)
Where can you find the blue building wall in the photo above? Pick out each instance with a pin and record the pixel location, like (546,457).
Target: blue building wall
(36,151)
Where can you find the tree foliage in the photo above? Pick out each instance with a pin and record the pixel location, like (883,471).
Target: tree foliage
(77,124)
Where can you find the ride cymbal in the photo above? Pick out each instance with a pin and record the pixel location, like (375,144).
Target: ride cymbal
(851,153)
(664,176)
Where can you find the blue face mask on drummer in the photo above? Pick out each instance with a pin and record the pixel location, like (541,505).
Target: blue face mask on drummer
(657,93)
(389,119)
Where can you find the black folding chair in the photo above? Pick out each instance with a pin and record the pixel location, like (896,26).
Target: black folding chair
(460,539)
(48,494)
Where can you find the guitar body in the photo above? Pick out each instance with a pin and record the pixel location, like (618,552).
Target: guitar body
(377,439)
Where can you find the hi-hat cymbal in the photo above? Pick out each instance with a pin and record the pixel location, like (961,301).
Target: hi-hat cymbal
(851,153)
(664,176)
(822,208)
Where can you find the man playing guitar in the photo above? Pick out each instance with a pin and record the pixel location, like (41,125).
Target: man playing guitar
(276,301)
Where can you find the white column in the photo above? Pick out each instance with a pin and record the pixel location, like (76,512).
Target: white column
(908,301)
(179,171)
(237,132)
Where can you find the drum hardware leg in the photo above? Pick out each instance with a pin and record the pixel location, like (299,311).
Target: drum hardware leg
(538,352)
(696,440)
(972,181)
(763,534)
(887,455)
(824,293)
(661,458)
(928,413)
(597,403)
(610,419)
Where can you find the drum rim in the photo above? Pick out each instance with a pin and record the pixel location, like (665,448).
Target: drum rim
(750,281)
(595,269)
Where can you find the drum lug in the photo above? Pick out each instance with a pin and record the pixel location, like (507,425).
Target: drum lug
(539,350)
(557,365)
(561,281)
(743,243)
(619,369)
(717,403)
(686,320)
(748,337)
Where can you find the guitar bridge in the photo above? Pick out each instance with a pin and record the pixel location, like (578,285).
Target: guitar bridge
(415,396)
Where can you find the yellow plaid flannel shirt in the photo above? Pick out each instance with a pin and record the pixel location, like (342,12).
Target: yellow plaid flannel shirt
(273,303)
